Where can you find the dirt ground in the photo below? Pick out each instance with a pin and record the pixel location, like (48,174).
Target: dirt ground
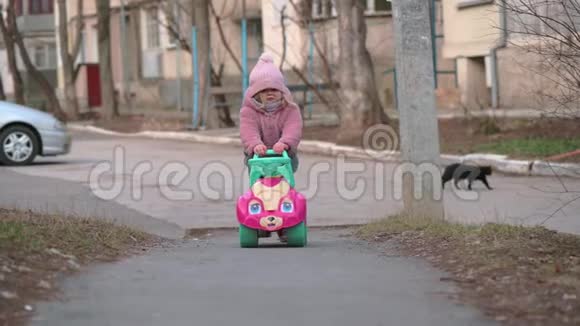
(36,250)
(462,136)
(517,275)
(457,136)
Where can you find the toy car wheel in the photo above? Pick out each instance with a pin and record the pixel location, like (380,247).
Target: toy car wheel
(297,235)
(248,237)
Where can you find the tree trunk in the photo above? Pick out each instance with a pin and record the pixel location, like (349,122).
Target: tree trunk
(8,36)
(201,20)
(109,103)
(2,93)
(46,88)
(360,105)
(221,117)
(70,92)
(223,110)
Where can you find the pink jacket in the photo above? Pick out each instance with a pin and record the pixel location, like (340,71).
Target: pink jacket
(260,127)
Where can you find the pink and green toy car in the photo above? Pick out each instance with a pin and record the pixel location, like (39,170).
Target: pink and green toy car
(271,204)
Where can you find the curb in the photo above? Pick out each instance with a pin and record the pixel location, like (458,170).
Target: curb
(175,135)
(497,162)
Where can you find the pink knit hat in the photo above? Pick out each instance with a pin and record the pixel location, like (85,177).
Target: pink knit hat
(266,75)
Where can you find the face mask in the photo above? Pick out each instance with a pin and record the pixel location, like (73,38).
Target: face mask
(268,107)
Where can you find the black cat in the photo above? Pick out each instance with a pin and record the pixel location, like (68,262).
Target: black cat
(458,172)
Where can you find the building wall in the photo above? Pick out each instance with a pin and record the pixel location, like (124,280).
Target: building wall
(380,44)
(32,92)
(162,90)
(296,38)
(523,78)
(28,24)
(5,73)
(469,32)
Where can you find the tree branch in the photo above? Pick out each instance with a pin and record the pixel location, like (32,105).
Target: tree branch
(283,25)
(78,30)
(226,45)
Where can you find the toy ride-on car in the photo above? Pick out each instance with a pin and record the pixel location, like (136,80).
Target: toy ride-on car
(271,204)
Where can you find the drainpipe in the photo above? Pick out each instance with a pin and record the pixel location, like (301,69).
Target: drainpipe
(493,55)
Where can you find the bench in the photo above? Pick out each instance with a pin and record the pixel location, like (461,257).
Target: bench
(294,88)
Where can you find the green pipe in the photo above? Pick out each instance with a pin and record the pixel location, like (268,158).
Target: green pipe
(434,41)
(395,86)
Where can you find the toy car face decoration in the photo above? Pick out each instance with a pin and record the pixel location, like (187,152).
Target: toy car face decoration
(271,204)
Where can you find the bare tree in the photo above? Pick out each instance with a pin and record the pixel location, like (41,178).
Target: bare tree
(109,103)
(2,93)
(302,17)
(548,30)
(360,104)
(46,88)
(68,55)
(200,18)
(339,104)
(8,36)
(284,41)
(220,115)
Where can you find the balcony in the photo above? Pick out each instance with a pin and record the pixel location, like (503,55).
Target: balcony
(36,24)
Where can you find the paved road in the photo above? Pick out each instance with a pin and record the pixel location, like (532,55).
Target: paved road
(63,184)
(335,281)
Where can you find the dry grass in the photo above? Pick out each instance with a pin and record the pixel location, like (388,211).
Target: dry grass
(29,233)
(36,248)
(519,275)
(519,138)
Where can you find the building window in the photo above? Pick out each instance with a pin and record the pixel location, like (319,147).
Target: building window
(52,55)
(323,8)
(174,26)
(255,40)
(461,4)
(44,56)
(18,7)
(327,8)
(40,57)
(383,6)
(377,6)
(40,7)
(152,28)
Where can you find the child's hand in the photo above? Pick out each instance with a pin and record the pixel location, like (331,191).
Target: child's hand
(260,149)
(279,147)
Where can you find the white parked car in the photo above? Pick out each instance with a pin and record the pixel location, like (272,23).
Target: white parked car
(26,133)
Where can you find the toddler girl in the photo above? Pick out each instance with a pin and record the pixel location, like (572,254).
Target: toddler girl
(269,118)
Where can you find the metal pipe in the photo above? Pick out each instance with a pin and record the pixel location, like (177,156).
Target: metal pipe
(244,49)
(434,40)
(493,56)
(195,75)
(126,86)
(309,94)
(456,76)
(207,91)
(178,54)
(395,85)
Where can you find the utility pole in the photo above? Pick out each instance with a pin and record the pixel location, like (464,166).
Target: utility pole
(417,106)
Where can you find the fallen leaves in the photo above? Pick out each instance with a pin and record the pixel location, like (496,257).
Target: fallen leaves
(517,275)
